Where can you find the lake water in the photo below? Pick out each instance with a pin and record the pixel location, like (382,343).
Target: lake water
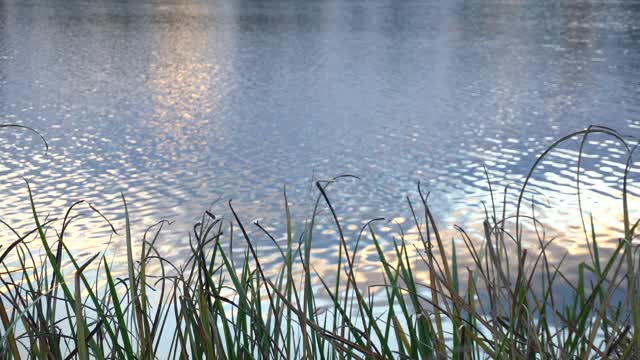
(179,103)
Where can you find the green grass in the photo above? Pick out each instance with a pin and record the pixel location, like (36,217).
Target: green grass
(216,305)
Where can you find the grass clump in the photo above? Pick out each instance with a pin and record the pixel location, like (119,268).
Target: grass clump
(214,305)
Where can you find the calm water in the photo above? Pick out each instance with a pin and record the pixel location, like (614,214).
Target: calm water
(177,104)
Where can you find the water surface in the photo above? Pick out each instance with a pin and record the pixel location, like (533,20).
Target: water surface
(179,103)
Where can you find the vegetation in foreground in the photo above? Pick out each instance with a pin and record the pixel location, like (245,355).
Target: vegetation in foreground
(211,306)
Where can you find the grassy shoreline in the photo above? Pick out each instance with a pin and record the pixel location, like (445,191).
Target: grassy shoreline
(212,306)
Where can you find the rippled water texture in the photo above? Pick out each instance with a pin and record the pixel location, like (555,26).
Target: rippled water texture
(179,103)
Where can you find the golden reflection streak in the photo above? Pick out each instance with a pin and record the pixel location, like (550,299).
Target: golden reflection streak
(180,81)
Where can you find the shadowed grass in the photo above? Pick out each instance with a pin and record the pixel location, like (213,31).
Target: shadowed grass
(216,305)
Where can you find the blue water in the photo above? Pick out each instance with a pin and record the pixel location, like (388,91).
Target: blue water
(180,103)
